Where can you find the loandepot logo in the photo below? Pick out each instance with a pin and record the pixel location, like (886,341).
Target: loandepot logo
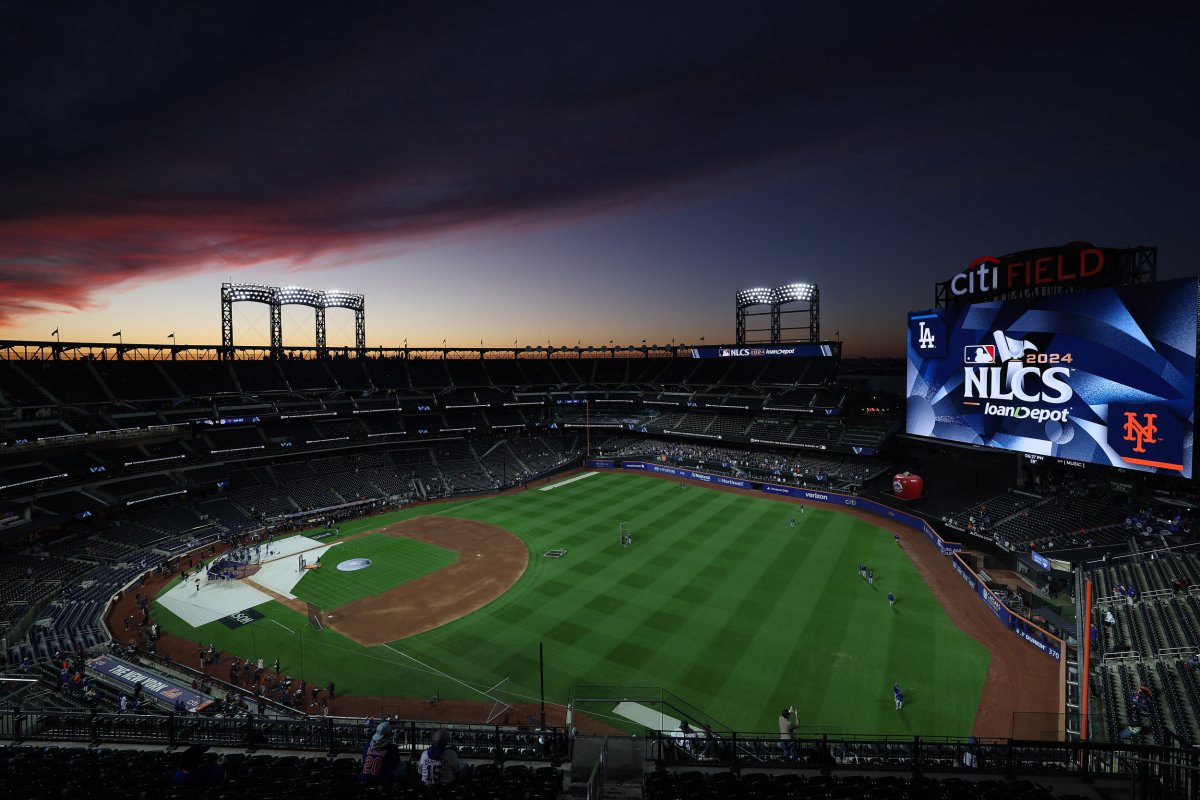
(1013,369)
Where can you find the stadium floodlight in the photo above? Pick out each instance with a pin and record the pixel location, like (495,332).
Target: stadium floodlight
(758,296)
(277,297)
(794,291)
(339,299)
(250,292)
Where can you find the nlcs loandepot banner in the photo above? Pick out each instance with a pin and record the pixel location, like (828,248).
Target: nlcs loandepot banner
(1105,376)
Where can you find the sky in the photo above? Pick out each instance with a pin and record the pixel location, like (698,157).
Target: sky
(560,173)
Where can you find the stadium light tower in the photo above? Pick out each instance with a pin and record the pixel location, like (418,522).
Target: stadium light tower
(790,299)
(751,298)
(278,297)
(796,299)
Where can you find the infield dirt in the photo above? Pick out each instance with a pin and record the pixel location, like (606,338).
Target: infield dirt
(490,561)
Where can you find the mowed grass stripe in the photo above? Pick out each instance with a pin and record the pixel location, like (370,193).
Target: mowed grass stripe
(396,560)
(713,602)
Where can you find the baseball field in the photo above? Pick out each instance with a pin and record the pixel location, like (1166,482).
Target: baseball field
(719,599)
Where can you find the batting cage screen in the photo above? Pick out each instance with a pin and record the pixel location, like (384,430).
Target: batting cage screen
(226,569)
(314,616)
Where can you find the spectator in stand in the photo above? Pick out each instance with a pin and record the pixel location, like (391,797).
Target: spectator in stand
(197,772)
(686,736)
(787,727)
(438,764)
(381,757)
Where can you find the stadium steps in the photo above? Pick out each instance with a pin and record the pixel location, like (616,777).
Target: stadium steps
(17,369)
(516,460)
(91,367)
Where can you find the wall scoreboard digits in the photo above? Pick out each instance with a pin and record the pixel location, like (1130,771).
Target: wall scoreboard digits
(1105,376)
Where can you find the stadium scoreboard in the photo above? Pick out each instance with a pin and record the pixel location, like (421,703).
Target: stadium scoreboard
(1102,376)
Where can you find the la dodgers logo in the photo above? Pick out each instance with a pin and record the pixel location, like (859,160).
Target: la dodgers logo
(925,337)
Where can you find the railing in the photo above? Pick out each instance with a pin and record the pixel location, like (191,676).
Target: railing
(1175,768)
(1174,771)
(599,774)
(326,734)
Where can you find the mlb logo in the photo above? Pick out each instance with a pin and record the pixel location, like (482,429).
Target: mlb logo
(979,354)
(725,352)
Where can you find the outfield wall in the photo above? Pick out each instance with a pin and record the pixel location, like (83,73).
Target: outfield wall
(1036,636)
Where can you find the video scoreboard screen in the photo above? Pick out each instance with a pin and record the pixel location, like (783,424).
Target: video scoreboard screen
(1106,376)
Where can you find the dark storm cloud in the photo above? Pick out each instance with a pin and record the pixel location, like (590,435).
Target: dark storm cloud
(142,141)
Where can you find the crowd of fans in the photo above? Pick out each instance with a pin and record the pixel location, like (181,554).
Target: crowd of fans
(831,472)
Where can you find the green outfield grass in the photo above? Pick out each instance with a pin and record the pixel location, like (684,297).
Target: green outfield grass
(394,560)
(719,601)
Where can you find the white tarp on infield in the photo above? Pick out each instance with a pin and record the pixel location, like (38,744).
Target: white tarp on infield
(281,574)
(214,600)
(217,599)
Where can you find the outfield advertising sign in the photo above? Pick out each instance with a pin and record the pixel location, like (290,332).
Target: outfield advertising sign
(1014,622)
(680,472)
(1106,376)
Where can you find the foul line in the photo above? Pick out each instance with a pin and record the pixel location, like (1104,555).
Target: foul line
(285,627)
(568,480)
(443,674)
(455,507)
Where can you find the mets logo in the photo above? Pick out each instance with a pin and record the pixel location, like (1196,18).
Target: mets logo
(1149,435)
(1140,432)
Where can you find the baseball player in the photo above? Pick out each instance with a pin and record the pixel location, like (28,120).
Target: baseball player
(793,522)
(862,570)
(891,599)
(871,577)
(898,695)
